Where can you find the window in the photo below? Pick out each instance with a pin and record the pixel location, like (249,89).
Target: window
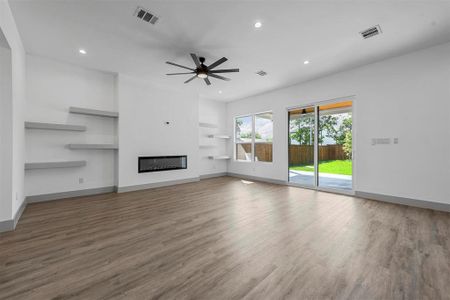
(253,137)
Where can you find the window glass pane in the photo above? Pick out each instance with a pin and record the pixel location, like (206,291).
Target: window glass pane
(244,129)
(244,151)
(263,137)
(301,146)
(335,145)
(243,138)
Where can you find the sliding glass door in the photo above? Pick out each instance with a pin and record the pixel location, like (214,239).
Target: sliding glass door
(320,145)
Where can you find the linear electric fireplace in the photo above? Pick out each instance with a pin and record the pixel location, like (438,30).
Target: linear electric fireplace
(161,163)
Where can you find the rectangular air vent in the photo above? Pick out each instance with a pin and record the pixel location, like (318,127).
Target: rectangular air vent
(370,32)
(261,73)
(145,15)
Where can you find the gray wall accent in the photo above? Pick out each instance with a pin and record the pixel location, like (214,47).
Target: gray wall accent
(404,201)
(206,176)
(132,188)
(70,194)
(6,225)
(93,146)
(256,178)
(93,112)
(55,164)
(20,212)
(52,126)
(9,225)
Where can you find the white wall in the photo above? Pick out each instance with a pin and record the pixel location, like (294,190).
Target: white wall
(10,32)
(405,97)
(212,112)
(52,88)
(144,108)
(5,129)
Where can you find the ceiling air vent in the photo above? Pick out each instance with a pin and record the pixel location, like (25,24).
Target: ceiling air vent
(145,15)
(261,73)
(375,30)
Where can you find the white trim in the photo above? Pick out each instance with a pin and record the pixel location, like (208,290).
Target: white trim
(70,194)
(132,188)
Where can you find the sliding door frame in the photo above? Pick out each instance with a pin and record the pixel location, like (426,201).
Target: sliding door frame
(316,145)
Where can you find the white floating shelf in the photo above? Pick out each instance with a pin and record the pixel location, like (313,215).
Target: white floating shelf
(219,136)
(52,126)
(93,146)
(54,164)
(207,125)
(207,146)
(93,112)
(220,157)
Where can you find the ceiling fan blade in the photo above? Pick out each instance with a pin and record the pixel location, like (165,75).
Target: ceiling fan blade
(190,79)
(195,59)
(174,64)
(215,64)
(181,73)
(219,77)
(207,81)
(224,71)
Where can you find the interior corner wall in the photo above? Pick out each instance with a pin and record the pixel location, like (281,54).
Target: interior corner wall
(212,112)
(5,129)
(405,97)
(53,87)
(144,110)
(10,32)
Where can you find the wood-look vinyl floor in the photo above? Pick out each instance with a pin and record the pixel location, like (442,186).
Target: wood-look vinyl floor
(223,238)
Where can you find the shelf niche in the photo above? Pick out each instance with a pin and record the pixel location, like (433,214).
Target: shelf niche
(54,126)
(219,157)
(93,146)
(93,112)
(54,164)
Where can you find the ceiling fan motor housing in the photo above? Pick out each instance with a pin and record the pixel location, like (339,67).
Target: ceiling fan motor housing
(202,71)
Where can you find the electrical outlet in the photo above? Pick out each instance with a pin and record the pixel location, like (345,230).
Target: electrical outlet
(80,180)
(396,140)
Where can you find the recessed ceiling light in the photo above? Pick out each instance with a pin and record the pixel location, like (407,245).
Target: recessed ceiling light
(220,92)
(258,25)
(82,51)
(306,62)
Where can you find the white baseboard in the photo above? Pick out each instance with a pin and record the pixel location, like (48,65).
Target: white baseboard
(405,201)
(206,176)
(9,225)
(256,178)
(70,194)
(132,188)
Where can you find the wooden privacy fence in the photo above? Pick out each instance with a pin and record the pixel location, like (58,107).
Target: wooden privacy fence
(298,154)
(304,154)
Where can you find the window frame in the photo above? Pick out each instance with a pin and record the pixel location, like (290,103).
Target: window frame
(236,142)
(253,116)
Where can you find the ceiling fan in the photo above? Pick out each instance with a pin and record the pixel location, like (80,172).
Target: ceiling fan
(202,71)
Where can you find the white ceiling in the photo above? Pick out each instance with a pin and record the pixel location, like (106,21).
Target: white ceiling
(324,32)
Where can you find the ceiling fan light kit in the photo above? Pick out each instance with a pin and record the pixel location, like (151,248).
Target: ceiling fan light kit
(203,71)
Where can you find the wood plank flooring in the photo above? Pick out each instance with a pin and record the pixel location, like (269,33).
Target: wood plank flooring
(223,238)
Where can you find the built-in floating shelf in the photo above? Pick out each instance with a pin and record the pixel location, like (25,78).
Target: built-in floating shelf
(219,136)
(207,146)
(93,146)
(54,164)
(53,126)
(93,112)
(207,125)
(220,157)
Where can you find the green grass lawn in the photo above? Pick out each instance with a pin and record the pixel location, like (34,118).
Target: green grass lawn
(342,167)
